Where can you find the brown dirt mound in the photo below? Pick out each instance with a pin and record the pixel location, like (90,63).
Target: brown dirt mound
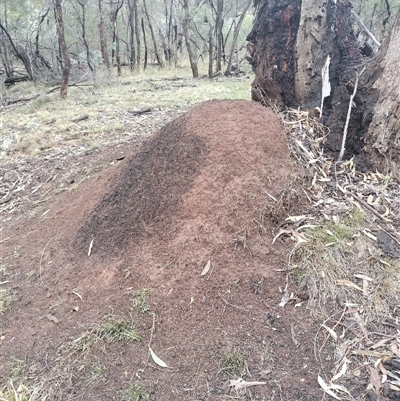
(208,178)
(212,185)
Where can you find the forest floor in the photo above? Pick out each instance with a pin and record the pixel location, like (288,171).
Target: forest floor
(157,248)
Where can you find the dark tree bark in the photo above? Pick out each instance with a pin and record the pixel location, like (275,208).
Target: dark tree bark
(63,49)
(103,40)
(192,56)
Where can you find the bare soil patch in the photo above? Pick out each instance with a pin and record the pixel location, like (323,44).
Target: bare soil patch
(208,189)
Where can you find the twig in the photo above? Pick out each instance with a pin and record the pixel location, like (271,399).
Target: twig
(370,208)
(151,335)
(40,263)
(295,342)
(358,75)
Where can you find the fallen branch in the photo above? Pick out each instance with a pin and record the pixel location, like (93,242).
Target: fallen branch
(24,99)
(139,112)
(370,208)
(81,118)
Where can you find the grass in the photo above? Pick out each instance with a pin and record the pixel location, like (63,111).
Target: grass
(110,330)
(136,392)
(46,122)
(17,369)
(231,362)
(140,302)
(6,297)
(21,393)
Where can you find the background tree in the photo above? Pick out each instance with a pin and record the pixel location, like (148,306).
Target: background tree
(63,49)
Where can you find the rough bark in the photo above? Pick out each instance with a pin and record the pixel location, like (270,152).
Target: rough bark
(63,49)
(381,88)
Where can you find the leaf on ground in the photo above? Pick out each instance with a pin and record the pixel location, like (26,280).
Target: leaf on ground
(382,342)
(331,332)
(327,388)
(375,379)
(348,283)
(286,298)
(157,360)
(52,318)
(240,384)
(206,268)
(342,371)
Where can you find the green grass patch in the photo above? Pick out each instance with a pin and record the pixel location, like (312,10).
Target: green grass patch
(6,297)
(136,392)
(140,301)
(231,362)
(107,332)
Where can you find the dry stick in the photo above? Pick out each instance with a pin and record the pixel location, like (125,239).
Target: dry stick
(151,335)
(370,208)
(358,75)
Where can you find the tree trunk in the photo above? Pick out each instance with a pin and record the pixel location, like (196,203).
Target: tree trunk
(82,22)
(290,44)
(382,106)
(103,41)
(153,37)
(218,32)
(137,33)
(145,45)
(192,56)
(63,49)
(132,28)
(19,52)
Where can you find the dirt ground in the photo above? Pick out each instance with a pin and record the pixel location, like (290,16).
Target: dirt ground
(188,217)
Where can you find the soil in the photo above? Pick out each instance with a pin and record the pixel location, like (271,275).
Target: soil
(189,214)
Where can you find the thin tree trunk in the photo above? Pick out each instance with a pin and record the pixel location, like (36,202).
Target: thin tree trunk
(192,56)
(132,49)
(19,52)
(103,40)
(137,32)
(218,32)
(145,45)
(235,37)
(153,37)
(84,41)
(63,49)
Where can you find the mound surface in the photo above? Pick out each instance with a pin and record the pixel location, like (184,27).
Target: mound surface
(208,190)
(198,189)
